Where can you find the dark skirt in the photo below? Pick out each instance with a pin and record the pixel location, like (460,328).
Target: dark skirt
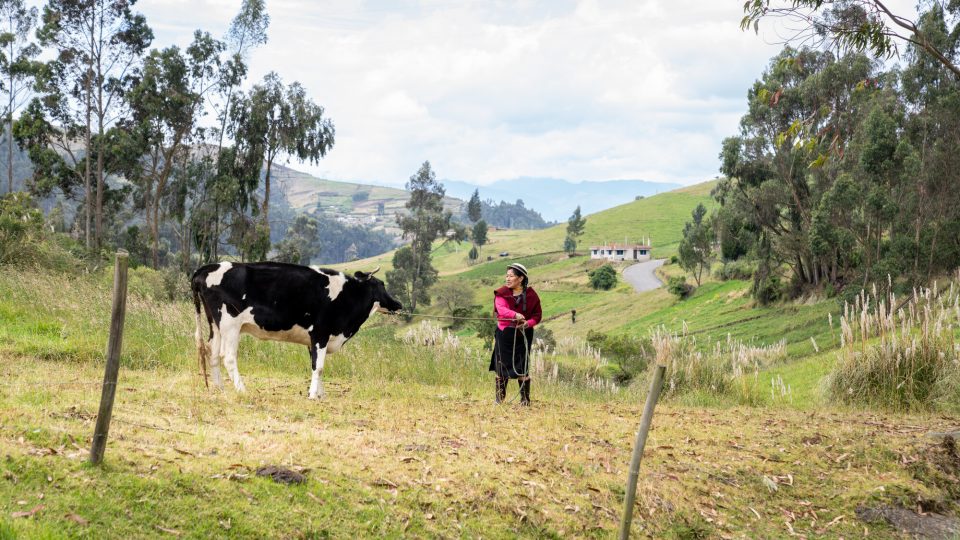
(510,352)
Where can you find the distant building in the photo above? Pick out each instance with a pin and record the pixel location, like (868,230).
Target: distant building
(621,252)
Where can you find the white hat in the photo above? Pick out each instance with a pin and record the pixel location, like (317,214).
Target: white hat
(519,268)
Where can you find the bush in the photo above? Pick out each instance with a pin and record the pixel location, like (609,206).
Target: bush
(767,289)
(721,369)
(604,277)
(632,354)
(739,269)
(679,287)
(674,259)
(21,227)
(914,365)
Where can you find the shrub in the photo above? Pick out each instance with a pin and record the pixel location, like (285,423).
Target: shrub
(901,359)
(472,255)
(21,226)
(679,287)
(674,259)
(631,354)
(721,368)
(739,269)
(604,277)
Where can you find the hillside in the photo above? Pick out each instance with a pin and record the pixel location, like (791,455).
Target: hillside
(660,218)
(408,442)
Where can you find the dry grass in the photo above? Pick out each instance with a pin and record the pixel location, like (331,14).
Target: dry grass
(900,354)
(395,457)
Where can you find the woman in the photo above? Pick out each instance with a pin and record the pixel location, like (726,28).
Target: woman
(517,308)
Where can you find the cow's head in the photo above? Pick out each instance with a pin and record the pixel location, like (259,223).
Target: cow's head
(388,304)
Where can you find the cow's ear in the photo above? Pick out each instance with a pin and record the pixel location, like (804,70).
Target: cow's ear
(362,276)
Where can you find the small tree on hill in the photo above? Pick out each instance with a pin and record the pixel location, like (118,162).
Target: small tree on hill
(479,236)
(575,228)
(474,208)
(696,248)
(426,222)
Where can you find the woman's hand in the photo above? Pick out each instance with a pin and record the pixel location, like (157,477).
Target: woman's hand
(521,320)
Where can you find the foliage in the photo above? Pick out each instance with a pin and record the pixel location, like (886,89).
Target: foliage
(631,353)
(479,236)
(21,224)
(603,277)
(18,66)
(452,295)
(575,228)
(400,280)
(678,286)
(473,254)
(302,242)
(505,215)
(899,357)
(569,245)
(854,25)
(736,270)
(838,195)
(285,122)
(426,222)
(696,248)
(474,207)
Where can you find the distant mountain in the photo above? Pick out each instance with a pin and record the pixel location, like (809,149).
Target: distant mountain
(556,198)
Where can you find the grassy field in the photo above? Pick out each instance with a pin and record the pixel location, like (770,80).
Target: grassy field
(408,442)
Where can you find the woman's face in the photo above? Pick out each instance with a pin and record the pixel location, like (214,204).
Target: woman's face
(513,280)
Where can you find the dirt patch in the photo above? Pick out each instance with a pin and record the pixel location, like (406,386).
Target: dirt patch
(281,475)
(911,523)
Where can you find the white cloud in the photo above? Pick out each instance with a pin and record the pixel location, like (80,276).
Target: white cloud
(490,90)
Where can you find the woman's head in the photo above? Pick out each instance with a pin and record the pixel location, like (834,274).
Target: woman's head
(516,276)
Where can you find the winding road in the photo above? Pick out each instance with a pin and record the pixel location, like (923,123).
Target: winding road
(642,275)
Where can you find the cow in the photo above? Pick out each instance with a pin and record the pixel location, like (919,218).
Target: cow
(316,307)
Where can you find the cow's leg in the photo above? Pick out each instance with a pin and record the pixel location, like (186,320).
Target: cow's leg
(229,343)
(215,356)
(317,355)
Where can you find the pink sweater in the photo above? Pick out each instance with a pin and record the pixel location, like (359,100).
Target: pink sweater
(507,308)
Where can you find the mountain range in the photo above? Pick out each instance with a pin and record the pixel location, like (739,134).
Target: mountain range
(555,199)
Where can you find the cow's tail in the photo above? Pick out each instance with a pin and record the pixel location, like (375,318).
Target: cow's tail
(203,347)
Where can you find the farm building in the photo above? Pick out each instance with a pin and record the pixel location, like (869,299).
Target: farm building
(621,252)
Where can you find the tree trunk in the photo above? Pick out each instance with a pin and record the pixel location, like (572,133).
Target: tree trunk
(10,123)
(88,190)
(266,196)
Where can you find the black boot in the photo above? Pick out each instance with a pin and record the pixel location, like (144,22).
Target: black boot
(501,389)
(525,393)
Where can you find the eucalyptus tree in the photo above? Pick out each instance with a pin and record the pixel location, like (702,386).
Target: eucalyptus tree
(696,247)
(18,65)
(291,125)
(97,44)
(801,111)
(860,26)
(165,103)
(222,186)
(426,221)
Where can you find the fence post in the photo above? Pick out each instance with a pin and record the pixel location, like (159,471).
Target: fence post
(641,441)
(113,358)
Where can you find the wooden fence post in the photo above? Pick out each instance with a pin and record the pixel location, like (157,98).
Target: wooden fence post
(641,441)
(113,359)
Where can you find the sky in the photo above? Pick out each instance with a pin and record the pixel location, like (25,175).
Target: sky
(490,90)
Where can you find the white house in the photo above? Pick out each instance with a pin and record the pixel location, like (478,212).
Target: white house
(621,252)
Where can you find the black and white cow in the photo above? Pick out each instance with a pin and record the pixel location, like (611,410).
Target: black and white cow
(319,308)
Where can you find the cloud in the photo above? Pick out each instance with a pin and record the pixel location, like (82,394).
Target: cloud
(586,90)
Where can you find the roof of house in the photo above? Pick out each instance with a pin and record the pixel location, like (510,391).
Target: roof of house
(621,246)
